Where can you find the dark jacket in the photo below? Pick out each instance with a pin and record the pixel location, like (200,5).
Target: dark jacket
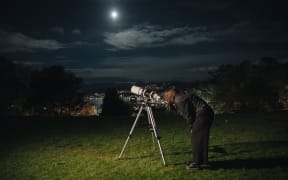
(191,107)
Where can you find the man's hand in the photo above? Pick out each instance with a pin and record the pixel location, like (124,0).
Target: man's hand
(171,108)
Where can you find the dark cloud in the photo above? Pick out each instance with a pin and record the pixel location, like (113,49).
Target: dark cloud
(15,42)
(183,68)
(155,36)
(58,30)
(76,32)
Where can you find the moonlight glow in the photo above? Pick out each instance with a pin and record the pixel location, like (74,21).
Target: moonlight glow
(114,14)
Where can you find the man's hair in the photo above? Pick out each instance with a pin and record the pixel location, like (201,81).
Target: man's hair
(173,88)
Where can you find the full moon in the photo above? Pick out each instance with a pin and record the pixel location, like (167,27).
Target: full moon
(114,14)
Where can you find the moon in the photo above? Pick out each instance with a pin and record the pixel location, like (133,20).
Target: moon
(114,15)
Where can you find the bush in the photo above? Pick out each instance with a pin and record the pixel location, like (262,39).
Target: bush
(112,105)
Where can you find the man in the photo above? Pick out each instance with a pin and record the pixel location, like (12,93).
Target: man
(199,116)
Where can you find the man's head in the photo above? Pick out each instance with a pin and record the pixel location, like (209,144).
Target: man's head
(169,94)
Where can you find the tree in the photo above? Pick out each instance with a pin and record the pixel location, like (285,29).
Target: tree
(248,86)
(54,90)
(277,75)
(14,79)
(112,105)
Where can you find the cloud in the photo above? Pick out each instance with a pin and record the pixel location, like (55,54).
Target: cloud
(248,32)
(208,4)
(156,36)
(81,44)
(189,39)
(76,32)
(145,74)
(29,63)
(149,68)
(57,29)
(147,36)
(61,30)
(18,42)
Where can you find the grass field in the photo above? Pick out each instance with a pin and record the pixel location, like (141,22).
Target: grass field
(242,146)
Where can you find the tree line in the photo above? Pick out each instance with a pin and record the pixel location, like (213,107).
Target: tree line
(259,86)
(47,91)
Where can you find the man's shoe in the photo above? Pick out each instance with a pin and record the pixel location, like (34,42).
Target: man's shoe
(193,166)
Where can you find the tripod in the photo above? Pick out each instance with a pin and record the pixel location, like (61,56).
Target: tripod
(152,127)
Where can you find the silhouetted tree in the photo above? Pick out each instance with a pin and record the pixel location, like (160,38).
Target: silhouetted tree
(275,76)
(54,90)
(248,86)
(112,105)
(14,79)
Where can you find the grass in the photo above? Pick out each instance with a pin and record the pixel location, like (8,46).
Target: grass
(242,146)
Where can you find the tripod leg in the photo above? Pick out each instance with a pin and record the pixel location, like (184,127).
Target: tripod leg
(153,140)
(150,115)
(131,131)
(151,129)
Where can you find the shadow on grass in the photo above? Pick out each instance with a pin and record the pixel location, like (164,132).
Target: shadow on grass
(245,147)
(260,163)
(249,163)
(232,149)
(242,148)
(216,149)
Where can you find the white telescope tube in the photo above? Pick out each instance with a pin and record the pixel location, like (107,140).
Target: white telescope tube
(137,90)
(145,93)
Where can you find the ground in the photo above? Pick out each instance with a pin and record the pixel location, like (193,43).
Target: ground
(242,146)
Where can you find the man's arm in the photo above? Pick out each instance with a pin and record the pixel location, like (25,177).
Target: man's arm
(186,110)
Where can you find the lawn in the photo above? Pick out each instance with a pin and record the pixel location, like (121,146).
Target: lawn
(242,146)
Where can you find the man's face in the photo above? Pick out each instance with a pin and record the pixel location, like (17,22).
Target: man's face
(169,96)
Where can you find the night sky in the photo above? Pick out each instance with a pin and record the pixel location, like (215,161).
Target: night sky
(151,40)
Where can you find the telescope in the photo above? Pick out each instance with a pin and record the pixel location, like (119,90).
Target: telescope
(145,93)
